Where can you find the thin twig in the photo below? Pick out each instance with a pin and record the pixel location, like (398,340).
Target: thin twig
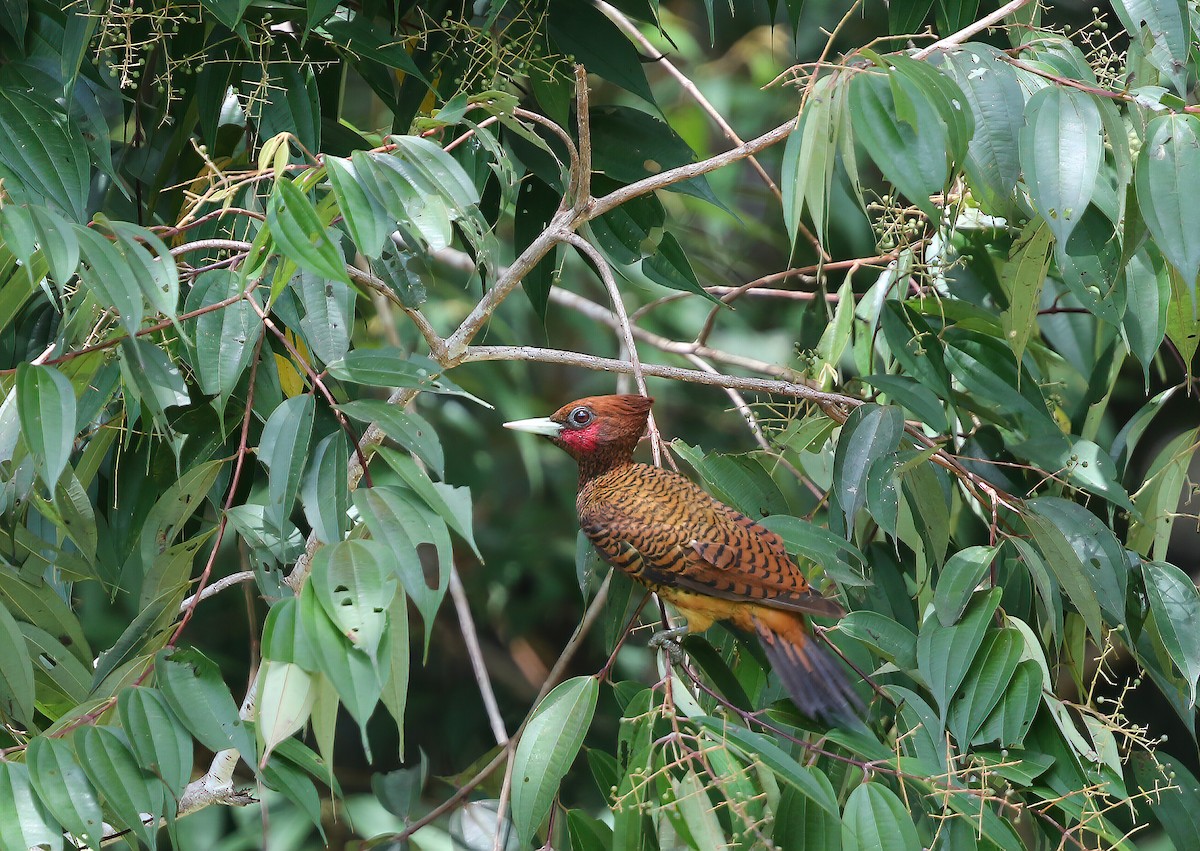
(594,610)
(217,587)
(466,625)
(966,32)
(622,324)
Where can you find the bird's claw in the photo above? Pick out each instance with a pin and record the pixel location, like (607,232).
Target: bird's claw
(667,640)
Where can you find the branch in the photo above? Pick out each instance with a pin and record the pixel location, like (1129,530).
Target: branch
(601,314)
(685,172)
(621,323)
(467,625)
(966,32)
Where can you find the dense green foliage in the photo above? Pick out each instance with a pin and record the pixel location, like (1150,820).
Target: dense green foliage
(258,274)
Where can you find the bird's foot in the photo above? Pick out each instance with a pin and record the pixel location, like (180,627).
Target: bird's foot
(667,640)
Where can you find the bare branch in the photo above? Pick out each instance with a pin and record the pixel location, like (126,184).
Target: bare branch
(467,625)
(968,31)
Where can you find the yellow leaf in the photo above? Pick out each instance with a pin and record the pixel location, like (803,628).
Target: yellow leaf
(290,378)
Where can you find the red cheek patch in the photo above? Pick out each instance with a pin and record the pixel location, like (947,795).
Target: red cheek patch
(583,440)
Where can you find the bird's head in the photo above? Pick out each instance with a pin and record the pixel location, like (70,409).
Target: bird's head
(595,427)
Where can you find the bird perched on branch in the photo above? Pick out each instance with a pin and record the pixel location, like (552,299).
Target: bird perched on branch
(710,562)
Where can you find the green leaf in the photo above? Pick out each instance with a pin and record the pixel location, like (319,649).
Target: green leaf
(586,34)
(547,748)
(1171,791)
(1183,329)
(406,427)
(1147,294)
(405,527)
(179,501)
(536,204)
(1013,716)
(801,824)
(959,578)
(77,517)
(228,12)
(365,217)
(1168,24)
(283,450)
(351,671)
(669,266)
(452,504)
(158,739)
(911,151)
(156,274)
(786,768)
(37,602)
(355,589)
(738,480)
(389,367)
(893,641)
(395,687)
(997,102)
(808,162)
(323,489)
(1062,150)
(1175,604)
(225,339)
(196,693)
(629,145)
(1158,499)
(24,822)
(1090,264)
(46,407)
(59,678)
(1096,548)
(149,371)
(328,317)
(115,773)
(1021,279)
(876,820)
(297,787)
(291,104)
(944,95)
(1068,569)
(870,432)
(106,273)
(986,683)
(838,557)
(64,789)
(43,160)
(16,672)
(301,235)
(945,654)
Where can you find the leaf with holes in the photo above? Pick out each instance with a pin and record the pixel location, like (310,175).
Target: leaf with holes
(354,587)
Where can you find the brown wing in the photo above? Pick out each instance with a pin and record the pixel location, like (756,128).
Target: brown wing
(672,533)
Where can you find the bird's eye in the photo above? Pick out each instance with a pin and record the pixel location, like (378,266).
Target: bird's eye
(580,417)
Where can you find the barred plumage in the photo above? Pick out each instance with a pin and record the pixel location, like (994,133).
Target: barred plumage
(706,559)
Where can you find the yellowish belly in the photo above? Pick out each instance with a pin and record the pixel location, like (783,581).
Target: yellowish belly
(702,611)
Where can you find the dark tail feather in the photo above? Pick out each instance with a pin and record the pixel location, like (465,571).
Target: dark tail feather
(815,681)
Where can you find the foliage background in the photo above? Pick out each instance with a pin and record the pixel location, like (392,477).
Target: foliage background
(119,115)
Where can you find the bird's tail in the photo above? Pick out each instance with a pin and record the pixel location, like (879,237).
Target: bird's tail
(817,684)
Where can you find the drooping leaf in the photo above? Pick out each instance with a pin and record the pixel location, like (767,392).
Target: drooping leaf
(46,406)
(1062,148)
(870,432)
(301,235)
(876,819)
(194,690)
(63,787)
(547,748)
(24,821)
